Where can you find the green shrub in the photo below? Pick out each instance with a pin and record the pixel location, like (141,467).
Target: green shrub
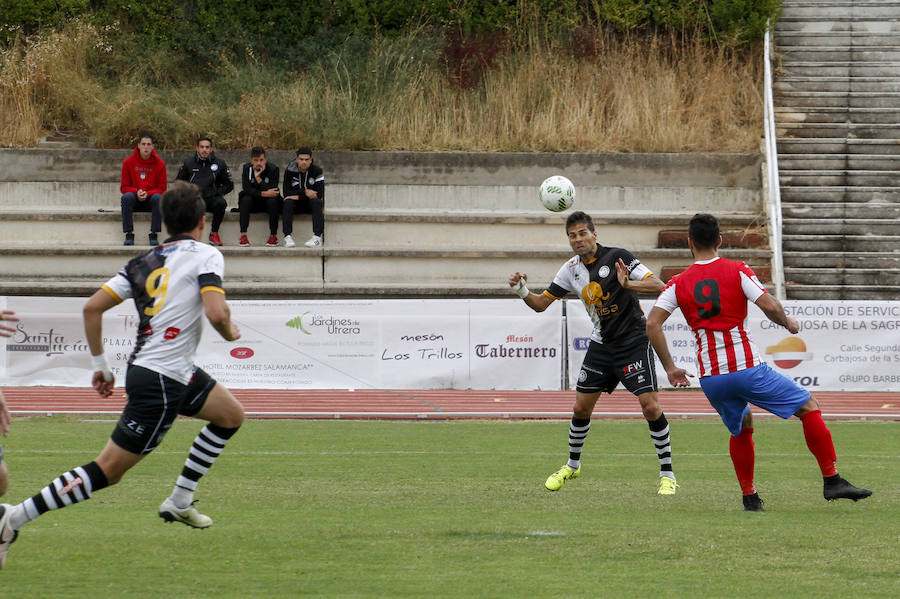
(205,31)
(26,18)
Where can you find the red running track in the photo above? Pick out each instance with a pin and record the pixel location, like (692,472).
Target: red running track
(437,404)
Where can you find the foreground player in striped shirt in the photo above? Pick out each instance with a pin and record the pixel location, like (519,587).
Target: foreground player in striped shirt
(712,295)
(174,286)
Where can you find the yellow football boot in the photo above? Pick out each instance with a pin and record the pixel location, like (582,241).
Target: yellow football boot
(559,478)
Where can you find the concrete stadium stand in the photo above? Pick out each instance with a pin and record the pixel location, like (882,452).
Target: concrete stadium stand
(398,224)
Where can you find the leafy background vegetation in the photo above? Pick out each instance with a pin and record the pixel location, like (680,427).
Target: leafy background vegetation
(527,75)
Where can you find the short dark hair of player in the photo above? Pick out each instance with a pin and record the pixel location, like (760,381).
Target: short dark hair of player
(199,139)
(147,135)
(257,151)
(182,207)
(304,150)
(704,231)
(579,217)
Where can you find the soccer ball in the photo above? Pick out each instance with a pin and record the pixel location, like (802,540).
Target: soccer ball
(557,193)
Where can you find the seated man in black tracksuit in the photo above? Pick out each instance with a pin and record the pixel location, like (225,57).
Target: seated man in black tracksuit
(304,191)
(259,193)
(212,176)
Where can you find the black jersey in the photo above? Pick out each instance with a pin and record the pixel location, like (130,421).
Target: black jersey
(615,312)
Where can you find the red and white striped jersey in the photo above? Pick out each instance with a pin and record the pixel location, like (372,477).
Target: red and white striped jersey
(713,295)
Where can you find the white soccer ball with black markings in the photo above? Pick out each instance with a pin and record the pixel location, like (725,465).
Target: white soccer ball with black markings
(557,193)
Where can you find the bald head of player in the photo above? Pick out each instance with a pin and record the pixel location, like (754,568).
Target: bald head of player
(183,209)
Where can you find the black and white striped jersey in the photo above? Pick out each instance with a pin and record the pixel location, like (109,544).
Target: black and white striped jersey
(166,284)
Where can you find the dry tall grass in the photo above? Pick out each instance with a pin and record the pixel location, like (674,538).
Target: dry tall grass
(630,98)
(637,95)
(46,84)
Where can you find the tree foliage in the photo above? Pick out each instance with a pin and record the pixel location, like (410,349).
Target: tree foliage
(275,29)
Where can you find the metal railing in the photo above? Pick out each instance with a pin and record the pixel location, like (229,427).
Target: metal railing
(773,185)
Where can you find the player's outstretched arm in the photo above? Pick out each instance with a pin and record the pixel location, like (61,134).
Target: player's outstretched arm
(219,314)
(678,377)
(537,302)
(102,380)
(774,311)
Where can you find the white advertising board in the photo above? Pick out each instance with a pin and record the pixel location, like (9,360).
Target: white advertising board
(441,344)
(841,346)
(382,344)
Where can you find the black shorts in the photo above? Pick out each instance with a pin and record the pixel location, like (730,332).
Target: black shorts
(605,366)
(154,400)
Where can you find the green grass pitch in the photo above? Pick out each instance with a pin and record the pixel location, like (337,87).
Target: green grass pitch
(458,509)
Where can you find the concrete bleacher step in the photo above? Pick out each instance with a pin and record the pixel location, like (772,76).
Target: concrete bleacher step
(839,193)
(463,272)
(26,259)
(484,230)
(844,84)
(838,68)
(841,259)
(846,178)
(855,39)
(825,23)
(840,226)
(76,227)
(838,53)
(839,243)
(656,196)
(837,114)
(824,9)
(841,292)
(844,276)
(837,130)
(830,210)
(349,228)
(746,238)
(838,161)
(842,99)
(839,145)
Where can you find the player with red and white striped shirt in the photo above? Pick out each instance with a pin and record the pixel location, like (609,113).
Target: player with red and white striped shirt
(713,295)
(718,318)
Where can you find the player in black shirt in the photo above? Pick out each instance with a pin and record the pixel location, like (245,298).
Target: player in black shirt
(607,279)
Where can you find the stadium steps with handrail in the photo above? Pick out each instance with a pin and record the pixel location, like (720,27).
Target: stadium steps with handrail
(838,125)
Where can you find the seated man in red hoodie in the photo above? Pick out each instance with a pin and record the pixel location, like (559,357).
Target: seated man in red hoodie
(143,183)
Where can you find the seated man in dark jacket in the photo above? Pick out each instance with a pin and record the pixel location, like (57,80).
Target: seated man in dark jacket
(304,191)
(212,176)
(259,193)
